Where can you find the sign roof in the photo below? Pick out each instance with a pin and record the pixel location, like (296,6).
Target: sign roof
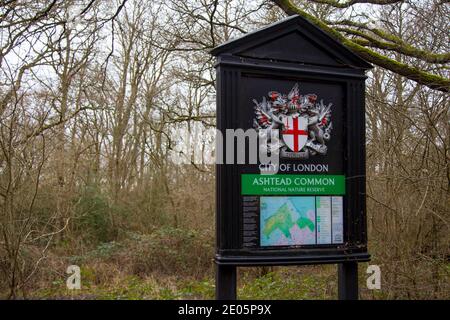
(292,40)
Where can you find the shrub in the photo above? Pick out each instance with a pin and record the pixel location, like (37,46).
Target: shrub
(93,221)
(170,251)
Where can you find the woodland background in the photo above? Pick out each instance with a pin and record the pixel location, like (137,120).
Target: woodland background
(100,101)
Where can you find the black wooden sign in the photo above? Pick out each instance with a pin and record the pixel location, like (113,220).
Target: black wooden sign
(304,203)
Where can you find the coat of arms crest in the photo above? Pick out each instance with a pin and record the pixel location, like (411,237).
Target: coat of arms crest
(305,122)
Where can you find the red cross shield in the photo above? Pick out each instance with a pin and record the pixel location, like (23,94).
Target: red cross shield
(295,133)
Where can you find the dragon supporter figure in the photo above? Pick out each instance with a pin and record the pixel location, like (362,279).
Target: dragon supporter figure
(304,122)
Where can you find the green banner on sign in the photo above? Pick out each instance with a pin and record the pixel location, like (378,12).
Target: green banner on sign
(292,184)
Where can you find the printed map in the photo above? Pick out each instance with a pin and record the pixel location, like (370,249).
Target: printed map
(287,221)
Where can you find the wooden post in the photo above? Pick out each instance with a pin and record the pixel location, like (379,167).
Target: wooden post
(348,281)
(225,282)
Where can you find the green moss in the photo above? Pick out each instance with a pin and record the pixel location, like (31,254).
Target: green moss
(401,48)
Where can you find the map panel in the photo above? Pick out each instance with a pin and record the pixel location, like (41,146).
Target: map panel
(287,221)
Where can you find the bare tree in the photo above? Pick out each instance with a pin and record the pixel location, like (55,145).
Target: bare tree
(359,31)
